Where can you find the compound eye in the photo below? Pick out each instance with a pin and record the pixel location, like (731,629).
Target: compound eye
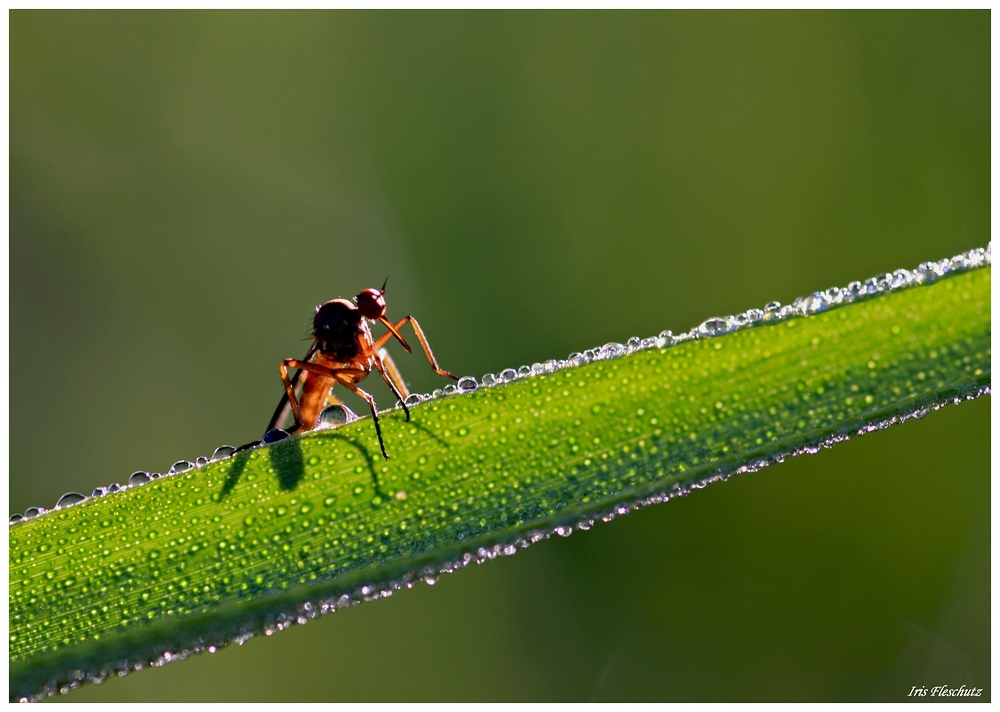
(371,303)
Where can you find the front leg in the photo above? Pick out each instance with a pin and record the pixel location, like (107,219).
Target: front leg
(382,340)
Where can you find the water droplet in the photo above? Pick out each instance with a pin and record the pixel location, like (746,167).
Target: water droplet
(273,436)
(665,339)
(114,488)
(772,306)
(413,399)
(69,499)
(612,350)
(467,384)
(333,416)
(577,359)
(489,380)
(716,326)
(524,371)
(507,375)
(138,478)
(180,466)
(99,492)
(633,344)
(201,461)
(449,389)
(33,512)
(812,304)
(221,453)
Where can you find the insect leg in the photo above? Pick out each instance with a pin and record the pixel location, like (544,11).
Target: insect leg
(390,374)
(423,342)
(289,395)
(290,388)
(338,374)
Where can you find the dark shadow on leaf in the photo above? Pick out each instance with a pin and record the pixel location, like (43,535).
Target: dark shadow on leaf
(286,459)
(239,463)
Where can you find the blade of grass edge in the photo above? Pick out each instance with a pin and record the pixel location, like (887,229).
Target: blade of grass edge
(285,532)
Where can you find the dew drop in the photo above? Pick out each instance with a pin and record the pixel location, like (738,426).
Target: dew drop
(333,416)
(812,304)
(666,338)
(69,499)
(99,492)
(201,461)
(467,384)
(633,344)
(221,453)
(138,478)
(449,389)
(524,371)
(489,380)
(413,399)
(273,436)
(114,488)
(612,350)
(180,466)
(508,375)
(33,512)
(715,326)
(15,518)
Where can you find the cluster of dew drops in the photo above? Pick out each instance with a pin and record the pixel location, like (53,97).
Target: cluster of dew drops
(337,415)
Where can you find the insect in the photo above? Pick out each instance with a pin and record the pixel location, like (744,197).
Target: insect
(344,352)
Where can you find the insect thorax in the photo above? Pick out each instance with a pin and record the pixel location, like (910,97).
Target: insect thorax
(339,328)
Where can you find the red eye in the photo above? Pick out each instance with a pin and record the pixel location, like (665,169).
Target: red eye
(371,303)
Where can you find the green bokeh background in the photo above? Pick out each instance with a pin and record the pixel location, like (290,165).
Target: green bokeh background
(186,186)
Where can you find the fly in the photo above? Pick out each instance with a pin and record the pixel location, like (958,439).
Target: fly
(344,352)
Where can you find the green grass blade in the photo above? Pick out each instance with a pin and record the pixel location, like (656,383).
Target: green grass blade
(284,532)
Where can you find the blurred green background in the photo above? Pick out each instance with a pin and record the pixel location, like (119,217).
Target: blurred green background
(186,186)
